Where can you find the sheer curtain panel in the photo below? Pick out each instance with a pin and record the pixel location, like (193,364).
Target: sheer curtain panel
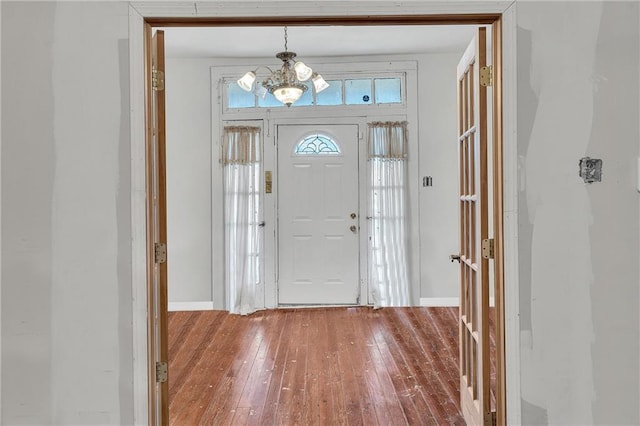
(242,212)
(388,264)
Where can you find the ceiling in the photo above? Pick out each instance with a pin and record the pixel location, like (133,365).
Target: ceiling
(309,41)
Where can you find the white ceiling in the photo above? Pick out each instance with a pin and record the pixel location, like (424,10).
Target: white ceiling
(248,42)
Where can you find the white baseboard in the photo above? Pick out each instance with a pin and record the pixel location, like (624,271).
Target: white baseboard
(439,301)
(446,301)
(190,306)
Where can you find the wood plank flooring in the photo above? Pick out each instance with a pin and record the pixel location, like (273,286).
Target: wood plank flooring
(324,366)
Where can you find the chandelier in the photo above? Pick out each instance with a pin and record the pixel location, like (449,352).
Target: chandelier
(286,84)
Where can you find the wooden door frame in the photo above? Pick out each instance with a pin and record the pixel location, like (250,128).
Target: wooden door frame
(157,327)
(500,15)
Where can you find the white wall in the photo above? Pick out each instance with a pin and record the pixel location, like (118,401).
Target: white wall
(27,190)
(188,150)
(189,181)
(578,249)
(66,234)
(439,229)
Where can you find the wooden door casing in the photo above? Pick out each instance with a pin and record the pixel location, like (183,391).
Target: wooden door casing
(157,298)
(453,19)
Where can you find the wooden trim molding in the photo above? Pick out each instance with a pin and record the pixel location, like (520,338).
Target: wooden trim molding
(509,241)
(498,221)
(353,20)
(230,9)
(138,217)
(151,332)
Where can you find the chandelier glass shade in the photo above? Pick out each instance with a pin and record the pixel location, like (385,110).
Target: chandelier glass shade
(286,83)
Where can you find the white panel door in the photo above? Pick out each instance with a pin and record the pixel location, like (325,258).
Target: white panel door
(318,216)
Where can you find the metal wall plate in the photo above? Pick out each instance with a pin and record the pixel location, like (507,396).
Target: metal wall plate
(590,169)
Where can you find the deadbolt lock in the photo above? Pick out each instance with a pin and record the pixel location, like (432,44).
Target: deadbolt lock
(353,215)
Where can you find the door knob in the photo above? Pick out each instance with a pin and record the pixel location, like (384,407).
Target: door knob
(453,257)
(353,228)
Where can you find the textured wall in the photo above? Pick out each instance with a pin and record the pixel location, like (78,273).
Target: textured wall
(27,196)
(578,248)
(66,232)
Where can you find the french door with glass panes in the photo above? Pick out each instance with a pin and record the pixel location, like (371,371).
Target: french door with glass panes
(475,246)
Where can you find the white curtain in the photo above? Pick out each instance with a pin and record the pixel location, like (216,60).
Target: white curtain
(242,211)
(388,263)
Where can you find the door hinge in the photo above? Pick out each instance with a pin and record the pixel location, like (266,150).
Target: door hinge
(486,76)
(157,79)
(160,253)
(488,248)
(162,372)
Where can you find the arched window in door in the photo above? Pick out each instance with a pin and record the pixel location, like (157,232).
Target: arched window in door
(317,144)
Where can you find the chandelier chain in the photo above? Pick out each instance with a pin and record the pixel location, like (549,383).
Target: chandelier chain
(285,40)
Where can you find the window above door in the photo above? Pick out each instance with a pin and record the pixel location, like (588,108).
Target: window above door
(346,91)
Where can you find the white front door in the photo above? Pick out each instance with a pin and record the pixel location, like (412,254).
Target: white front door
(318,214)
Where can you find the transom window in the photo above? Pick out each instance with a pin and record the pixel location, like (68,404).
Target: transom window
(317,144)
(341,92)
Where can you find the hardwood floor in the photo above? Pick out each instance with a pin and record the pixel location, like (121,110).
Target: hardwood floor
(325,366)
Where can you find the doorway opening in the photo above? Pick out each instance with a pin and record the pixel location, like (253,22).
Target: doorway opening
(492,20)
